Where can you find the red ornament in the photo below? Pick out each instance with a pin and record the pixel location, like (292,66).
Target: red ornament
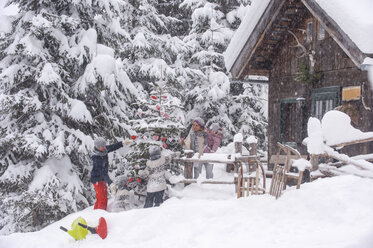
(163,139)
(162,113)
(133,137)
(157,107)
(154,97)
(164,145)
(164,97)
(155,137)
(166,116)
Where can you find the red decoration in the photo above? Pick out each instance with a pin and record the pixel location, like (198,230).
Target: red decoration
(158,108)
(154,97)
(164,145)
(166,116)
(155,137)
(133,137)
(164,97)
(162,113)
(163,139)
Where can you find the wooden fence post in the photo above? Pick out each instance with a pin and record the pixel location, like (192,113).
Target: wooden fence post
(188,168)
(238,147)
(253,147)
(314,160)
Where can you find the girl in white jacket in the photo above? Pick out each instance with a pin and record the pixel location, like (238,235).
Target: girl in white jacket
(157,174)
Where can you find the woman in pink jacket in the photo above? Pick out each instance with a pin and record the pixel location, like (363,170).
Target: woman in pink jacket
(214,137)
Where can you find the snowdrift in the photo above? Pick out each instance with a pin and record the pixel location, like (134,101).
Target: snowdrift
(331,212)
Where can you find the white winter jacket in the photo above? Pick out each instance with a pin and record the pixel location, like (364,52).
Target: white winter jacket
(157,174)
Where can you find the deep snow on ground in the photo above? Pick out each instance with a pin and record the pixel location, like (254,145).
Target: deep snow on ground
(331,212)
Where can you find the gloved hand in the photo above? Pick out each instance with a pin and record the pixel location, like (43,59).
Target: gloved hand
(127,142)
(113,188)
(143,173)
(176,155)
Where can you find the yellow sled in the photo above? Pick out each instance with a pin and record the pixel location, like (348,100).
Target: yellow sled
(77,232)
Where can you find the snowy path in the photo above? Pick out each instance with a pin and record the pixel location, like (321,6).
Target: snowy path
(334,212)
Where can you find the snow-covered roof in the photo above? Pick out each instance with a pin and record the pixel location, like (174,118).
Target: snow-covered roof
(253,14)
(353,17)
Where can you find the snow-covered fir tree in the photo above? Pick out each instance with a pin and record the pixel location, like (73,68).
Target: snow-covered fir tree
(247,111)
(74,70)
(151,56)
(62,84)
(160,121)
(208,95)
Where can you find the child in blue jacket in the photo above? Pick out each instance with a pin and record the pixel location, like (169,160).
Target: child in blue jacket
(99,174)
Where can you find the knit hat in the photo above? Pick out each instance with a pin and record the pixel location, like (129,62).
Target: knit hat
(155,152)
(214,127)
(100,142)
(200,122)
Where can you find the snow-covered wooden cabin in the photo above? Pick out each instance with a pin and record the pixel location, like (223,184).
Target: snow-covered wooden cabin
(315,54)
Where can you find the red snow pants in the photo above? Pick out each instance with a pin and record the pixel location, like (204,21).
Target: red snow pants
(101,195)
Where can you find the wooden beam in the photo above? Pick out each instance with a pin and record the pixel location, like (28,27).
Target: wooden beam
(353,142)
(206,181)
(285,19)
(272,41)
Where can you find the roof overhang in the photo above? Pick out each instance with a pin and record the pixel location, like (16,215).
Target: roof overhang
(242,66)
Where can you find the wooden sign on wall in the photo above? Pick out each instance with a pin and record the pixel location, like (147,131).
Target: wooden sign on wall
(351,93)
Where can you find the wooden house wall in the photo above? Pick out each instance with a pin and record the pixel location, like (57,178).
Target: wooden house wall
(337,70)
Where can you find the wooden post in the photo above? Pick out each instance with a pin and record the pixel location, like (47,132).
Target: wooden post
(238,147)
(314,160)
(252,166)
(239,183)
(188,168)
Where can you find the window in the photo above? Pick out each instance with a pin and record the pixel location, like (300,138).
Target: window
(321,34)
(309,30)
(325,99)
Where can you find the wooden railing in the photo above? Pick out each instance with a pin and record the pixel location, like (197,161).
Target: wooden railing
(238,161)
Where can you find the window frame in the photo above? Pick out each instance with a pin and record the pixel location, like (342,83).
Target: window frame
(321,34)
(325,99)
(309,30)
